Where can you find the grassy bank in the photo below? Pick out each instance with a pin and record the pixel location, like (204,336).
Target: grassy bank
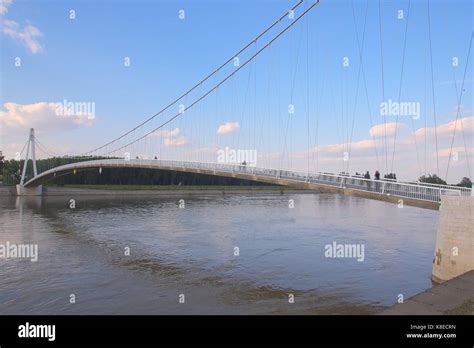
(467,308)
(182,187)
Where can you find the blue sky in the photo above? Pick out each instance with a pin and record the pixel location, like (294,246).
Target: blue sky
(83,60)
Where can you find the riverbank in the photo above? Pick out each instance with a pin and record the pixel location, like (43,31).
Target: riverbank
(456,297)
(154,189)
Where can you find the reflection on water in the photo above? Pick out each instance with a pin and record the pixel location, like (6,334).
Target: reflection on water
(191,251)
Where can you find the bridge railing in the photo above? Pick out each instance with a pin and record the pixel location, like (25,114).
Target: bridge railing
(419,191)
(388,187)
(466,191)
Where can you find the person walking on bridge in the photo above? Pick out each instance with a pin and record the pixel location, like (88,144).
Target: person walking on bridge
(367,176)
(377,184)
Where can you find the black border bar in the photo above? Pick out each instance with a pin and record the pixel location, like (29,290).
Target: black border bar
(192,330)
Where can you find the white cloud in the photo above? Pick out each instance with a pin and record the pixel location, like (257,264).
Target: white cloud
(166,133)
(407,142)
(28,35)
(447,129)
(228,127)
(410,159)
(42,116)
(455,150)
(339,148)
(388,128)
(4,6)
(171,137)
(180,141)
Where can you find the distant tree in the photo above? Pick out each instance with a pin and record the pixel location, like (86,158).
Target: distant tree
(432,179)
(465,182)
(2,160)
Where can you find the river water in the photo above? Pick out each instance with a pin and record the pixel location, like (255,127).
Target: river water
(191,251)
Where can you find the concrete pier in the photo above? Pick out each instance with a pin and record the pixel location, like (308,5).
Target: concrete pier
(454,252)
(29,191)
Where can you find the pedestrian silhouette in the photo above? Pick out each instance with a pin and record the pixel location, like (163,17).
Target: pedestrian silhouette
(377,177)
(367,176)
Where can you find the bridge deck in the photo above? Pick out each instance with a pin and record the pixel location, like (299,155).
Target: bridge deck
(416,194)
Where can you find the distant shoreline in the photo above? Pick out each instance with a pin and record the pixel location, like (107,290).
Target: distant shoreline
(176,187)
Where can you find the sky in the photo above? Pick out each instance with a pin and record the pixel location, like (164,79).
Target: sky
(342,70)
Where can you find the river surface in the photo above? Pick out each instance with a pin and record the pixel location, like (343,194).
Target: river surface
(191,251)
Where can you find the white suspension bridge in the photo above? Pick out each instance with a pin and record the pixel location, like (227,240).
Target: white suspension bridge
(110,154)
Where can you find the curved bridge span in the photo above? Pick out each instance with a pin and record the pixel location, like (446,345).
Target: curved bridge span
(415,194)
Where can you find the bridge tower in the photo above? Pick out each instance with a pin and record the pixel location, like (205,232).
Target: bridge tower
(21,190)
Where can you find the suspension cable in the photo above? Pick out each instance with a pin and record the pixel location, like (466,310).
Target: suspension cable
(458,109)
(361,49)
(23,149)
(383,85)
(432,90)
(222,81)
(400,86)
(200,82)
